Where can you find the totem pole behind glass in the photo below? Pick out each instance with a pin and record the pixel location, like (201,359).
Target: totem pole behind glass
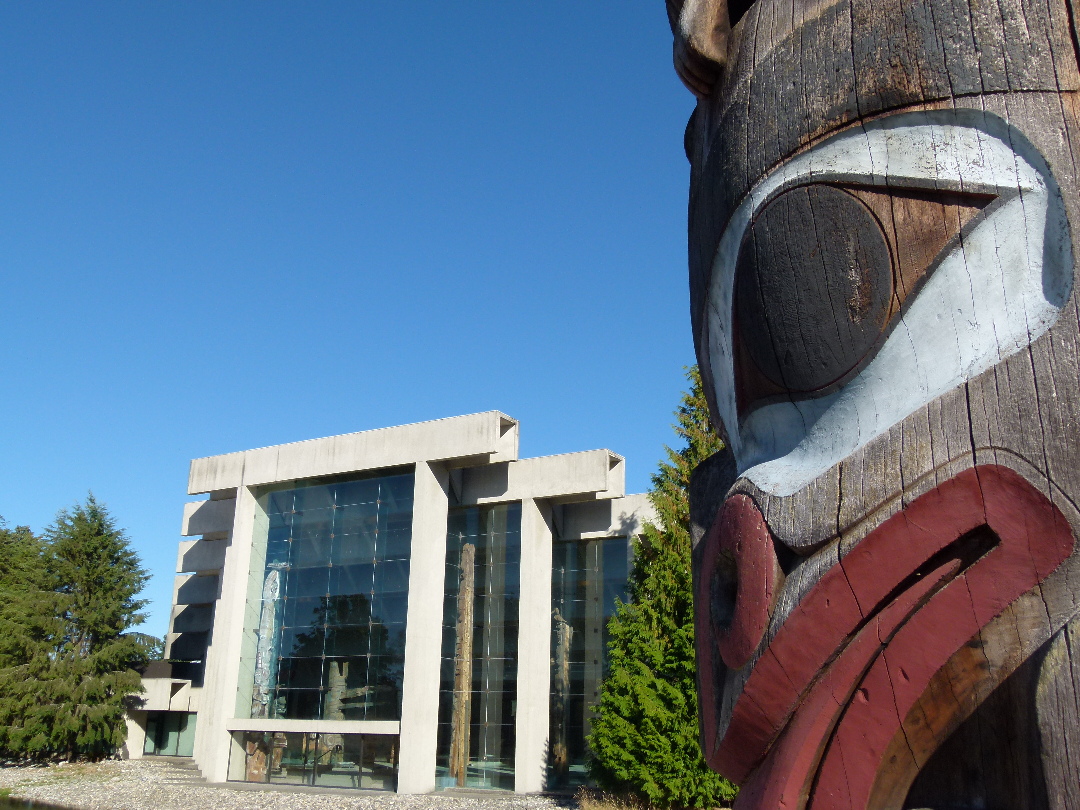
(882,243)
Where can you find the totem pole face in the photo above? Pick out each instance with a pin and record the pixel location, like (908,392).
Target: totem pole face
(883,213)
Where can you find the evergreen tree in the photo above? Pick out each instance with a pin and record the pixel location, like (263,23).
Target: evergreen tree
(644,738)
(27,608)
(65,694)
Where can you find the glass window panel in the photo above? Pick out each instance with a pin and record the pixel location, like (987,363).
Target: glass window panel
(334,767)
(357,519)
(349,609)
(302,704)
(351,672)
(277,552)
(394,522)
(357,492)
(348,641)
(150,745)
(349,579)
(279,534)
(313,523)
(290,758)
(387,702)
(394,544)
(387,639)
(348,696)
(379,763)
(494,534)
(301,642)
(390,608)
(307,581)
(279,506)
(398,489)
(311,552)
(353,548)
(392,575)
(300,673)
(336,544)
(313,497)
(185,745)
(304,611)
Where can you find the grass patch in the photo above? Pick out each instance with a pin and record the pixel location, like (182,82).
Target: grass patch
(592,799)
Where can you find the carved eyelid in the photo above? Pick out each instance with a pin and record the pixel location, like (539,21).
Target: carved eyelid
(823,274)
(1015,285)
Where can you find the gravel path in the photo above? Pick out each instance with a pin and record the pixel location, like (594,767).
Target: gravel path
(160,785)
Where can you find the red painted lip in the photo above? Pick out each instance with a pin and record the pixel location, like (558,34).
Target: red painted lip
(914,591)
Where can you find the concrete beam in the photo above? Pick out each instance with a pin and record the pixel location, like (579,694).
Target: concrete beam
(594,519)
(200,556)
(187,646)
(492,436)
(191,618)
(593,474)
(196,589)
(207,517)
(316,726)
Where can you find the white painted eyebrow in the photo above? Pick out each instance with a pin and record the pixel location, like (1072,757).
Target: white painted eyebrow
(991,295)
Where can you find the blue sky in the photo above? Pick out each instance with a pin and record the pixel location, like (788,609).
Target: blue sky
(230,225)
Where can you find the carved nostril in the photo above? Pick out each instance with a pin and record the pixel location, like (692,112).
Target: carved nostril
(739,577)
(723,590)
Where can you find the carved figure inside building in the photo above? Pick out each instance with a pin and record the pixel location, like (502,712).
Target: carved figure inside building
(882,243)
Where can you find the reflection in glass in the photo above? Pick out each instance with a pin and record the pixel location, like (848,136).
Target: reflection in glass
(331,608)
(366,761)
(170,734)
(478,682)
(588,576)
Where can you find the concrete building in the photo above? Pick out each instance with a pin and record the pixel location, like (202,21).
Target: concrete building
(409,609)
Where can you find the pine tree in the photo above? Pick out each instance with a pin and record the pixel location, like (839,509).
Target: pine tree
(27,607)
(65,694)
(644,738)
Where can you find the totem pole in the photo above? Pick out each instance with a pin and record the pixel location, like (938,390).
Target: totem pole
(882,241)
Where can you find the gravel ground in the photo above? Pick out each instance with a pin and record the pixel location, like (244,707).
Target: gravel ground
(160,785)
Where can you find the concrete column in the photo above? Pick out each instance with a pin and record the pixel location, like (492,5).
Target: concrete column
(218,702)
(423,631)
(534,647)
(136,735)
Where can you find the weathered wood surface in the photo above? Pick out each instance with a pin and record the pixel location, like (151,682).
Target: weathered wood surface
(461,716)
(856,695)
(560,694)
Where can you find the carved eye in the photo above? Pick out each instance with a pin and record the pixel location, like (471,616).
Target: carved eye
(813,287)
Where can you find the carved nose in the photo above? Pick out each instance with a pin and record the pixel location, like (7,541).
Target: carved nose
(737,586)
(701,29)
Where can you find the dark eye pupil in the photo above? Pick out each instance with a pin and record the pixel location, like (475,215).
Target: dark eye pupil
(813,286)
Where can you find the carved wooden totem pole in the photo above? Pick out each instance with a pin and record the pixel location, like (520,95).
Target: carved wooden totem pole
(884,216)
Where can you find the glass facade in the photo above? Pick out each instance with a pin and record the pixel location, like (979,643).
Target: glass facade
(323,760)
(587,578)
(328,609)
(478,682)
(170,734)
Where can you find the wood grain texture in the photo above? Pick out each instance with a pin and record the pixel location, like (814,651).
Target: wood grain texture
(993,717)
